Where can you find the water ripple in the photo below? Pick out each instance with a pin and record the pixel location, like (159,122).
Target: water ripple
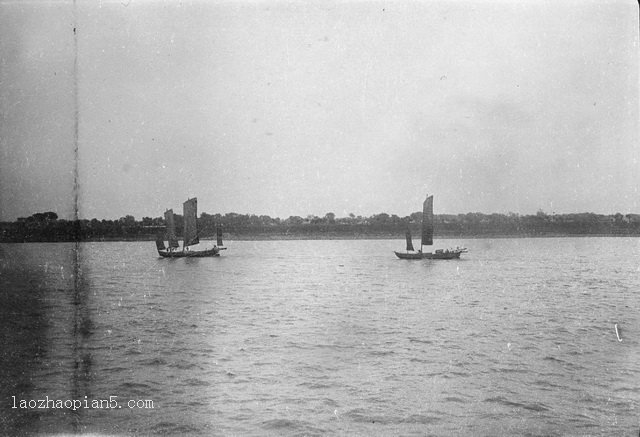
(339,339)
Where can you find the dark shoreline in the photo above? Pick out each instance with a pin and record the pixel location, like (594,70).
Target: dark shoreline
(42,227)
(284,237)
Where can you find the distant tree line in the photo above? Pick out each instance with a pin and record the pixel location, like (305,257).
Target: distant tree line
(48,227)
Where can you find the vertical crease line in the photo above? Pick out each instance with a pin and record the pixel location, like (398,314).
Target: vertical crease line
(76,267)
(77,288)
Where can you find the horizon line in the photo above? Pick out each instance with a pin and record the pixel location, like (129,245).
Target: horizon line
(336,216)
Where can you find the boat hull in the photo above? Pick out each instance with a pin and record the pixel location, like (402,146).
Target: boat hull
(408,255)
(190,253)
(446,254)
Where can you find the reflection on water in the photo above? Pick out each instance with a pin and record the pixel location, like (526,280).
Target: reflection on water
(31,277)
(323,337)
(81,383)
(46,326)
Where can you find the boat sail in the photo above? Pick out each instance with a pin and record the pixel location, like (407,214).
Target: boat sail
(409,241)
(427,222)
(191,235)
(171,229)
(219,237)
(427,239)
(190,232)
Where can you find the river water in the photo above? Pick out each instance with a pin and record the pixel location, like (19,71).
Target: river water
(333,337)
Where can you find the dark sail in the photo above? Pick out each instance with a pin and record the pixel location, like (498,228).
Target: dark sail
(171,228)
(219,236)
(427,222)
(409,241)
(190,209)
(160,243)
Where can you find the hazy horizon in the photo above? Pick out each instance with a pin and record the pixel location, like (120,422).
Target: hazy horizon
(304,216)
(290,109)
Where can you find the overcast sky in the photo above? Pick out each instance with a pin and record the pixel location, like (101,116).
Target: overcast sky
(290,108)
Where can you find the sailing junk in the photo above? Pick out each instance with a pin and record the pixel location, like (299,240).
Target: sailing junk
(190,235)
(427,239)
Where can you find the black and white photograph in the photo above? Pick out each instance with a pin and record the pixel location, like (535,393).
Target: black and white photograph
(310,218)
